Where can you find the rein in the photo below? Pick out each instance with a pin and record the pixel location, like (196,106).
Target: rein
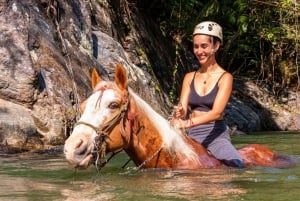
(150,158)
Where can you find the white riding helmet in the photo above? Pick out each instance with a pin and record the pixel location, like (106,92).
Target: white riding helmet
(209,28)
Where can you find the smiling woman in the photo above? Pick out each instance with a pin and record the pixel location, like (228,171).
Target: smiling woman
(115,118)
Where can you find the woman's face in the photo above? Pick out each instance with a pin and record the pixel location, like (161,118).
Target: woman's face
(204,48)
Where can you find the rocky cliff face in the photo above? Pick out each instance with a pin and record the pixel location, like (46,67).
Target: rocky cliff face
(47,51)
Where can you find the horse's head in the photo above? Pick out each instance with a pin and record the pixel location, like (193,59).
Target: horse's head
(98,129)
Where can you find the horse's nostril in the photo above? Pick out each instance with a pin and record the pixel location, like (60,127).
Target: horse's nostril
(81,148)
(79,143)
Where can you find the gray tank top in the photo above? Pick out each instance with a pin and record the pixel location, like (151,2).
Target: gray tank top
(202,103)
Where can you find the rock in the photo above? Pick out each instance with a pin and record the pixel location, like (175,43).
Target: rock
(17,128)
(47,52)
(254,109)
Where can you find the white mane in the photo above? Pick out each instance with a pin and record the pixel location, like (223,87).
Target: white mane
(172,138)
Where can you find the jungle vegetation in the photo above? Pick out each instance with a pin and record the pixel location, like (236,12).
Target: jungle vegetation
(261,37)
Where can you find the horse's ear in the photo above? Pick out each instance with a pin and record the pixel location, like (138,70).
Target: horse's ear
(120,77)
(95,78)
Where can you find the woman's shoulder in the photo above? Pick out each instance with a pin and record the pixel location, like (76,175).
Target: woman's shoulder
(190,75)
(223,73)
(225,77)
(188,78)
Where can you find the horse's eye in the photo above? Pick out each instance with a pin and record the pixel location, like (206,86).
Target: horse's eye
(113,105)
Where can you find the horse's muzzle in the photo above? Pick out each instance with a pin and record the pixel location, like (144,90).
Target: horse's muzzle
(79,155)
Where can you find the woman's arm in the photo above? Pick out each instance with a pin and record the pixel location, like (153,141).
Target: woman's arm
(182,107)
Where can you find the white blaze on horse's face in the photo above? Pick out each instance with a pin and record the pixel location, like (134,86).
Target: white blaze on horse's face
(99,107)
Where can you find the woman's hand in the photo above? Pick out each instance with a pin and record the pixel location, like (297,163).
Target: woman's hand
(178,111)
(179,123)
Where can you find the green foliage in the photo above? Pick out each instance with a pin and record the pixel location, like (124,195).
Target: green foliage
(259,36)
(278,31)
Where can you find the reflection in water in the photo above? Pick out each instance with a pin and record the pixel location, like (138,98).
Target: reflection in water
(157,185)
(44,177)
(193,185)
(85,190)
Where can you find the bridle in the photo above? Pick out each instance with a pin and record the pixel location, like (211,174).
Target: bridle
(104,131)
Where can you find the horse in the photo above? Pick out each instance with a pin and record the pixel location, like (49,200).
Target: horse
(114,118)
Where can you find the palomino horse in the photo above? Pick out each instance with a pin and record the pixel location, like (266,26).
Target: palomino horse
(115,118)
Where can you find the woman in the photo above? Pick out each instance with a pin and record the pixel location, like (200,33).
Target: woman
(207,91)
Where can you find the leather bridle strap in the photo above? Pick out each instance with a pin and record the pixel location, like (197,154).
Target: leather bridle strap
(107,127)
(103,132)
(86,124)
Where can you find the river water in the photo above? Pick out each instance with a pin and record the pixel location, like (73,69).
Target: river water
(48,177)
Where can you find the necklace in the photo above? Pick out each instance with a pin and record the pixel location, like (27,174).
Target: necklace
(206,78)
(205,81)
(209,75)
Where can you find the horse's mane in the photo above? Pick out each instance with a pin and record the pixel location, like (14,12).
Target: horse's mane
(172,138)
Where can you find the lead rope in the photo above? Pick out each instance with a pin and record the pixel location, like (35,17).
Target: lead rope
(171,116)
(149,159)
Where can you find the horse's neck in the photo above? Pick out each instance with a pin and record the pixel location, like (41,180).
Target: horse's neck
(145,138)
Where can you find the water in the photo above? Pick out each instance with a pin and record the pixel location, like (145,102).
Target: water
(48,177)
